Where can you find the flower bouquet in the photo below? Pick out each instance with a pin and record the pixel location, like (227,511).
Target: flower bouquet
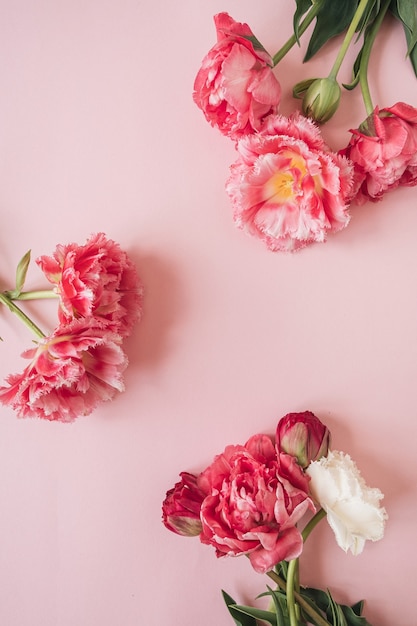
(287,186)
(81,363)
(253,499)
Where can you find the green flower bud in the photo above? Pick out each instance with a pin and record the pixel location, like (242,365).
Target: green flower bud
(321,99)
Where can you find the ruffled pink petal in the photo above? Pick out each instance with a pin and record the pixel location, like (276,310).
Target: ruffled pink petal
(288,546)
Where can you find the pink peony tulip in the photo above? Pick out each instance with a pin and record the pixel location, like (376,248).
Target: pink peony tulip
(181,507)
(384,152)
(97,279)
(253,503)
(287,187)
(235,87)
(304,436)
(70,373)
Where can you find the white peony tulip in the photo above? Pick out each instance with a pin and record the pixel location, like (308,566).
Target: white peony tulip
(353,509)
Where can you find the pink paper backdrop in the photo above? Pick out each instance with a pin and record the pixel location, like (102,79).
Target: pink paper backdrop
(98,132)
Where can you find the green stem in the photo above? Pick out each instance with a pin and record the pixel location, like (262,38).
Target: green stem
(292,568)
(313,523)
(366,52)
(348,38)
(293,586)
(33,295)
(25,319)
(297,576)
(307,608)
(293,39)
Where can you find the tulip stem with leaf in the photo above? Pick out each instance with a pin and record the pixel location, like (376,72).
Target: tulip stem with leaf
(298,31)
(292,585)
(321,96)
(365,55)
(7,297)
(7,301)
(358,16)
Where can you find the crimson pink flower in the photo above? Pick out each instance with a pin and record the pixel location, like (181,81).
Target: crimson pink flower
(181,507)
(97,279)
(235,87)
(384,152)
(254,500)
(287,187)
(304,436)
(70,373)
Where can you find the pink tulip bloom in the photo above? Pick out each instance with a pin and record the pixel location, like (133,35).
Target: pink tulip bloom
(253,503)
(235,87)
(304,436)
(96,279)
(70,373)
(384,152)
(287,188)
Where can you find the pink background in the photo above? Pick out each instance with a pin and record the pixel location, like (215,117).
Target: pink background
(98,132)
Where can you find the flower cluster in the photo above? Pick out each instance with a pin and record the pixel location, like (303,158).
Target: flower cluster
(251,499)
(81,363)
(287,187)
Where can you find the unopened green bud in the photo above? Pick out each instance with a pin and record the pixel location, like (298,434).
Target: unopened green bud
(321,99)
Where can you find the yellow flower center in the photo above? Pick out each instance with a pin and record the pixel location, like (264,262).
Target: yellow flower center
(279,188)
(284,185)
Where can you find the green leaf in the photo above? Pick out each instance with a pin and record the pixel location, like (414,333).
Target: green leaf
(353,617)
(357,608)
(282,569)
(266,616)
(21,271)
(318,596)
(357,63)
(302,7)
(332,19)
(370,14)
(239,618)
(336,612)
(351,614)
(279,599)
(406,12)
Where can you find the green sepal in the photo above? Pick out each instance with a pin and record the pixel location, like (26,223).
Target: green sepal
(240,619)
(300,89)
(255,43)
